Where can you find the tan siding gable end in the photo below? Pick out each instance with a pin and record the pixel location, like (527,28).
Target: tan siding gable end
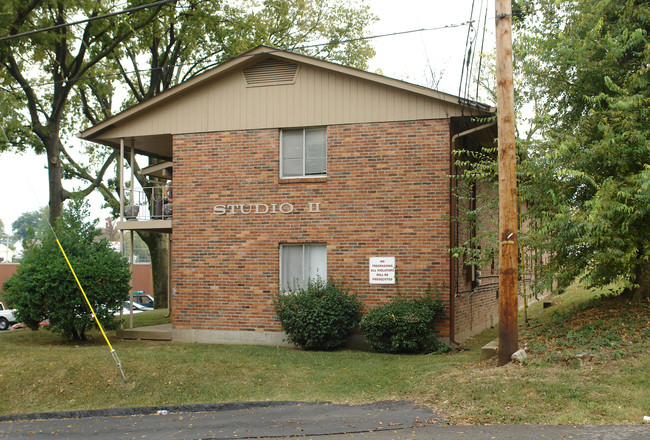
(269,88)
(316,98)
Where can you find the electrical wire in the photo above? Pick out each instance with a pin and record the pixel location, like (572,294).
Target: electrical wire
(306,46)
(480,60)
(86,20)
(222,60)
(465,51)
(472,56)
(470,53)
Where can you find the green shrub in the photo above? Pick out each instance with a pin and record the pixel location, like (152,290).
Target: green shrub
(403,326)
(43,287)
(319,316)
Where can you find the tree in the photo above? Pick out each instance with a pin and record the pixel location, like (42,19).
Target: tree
(587,178)
(52,81)
(189,37)
(31,225)
(5,239)
(43,287)
(40,71)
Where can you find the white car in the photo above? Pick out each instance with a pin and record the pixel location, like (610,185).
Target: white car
(137,306)
(143,299)
(126,309)
(7,316)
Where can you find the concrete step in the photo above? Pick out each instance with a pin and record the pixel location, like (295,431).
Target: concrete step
(489,350)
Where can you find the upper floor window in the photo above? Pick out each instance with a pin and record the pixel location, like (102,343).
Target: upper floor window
(303,152)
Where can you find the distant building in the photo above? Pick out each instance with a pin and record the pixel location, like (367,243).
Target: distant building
(287,167)
(10,253)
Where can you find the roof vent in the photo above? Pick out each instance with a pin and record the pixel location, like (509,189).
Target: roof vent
(270,72)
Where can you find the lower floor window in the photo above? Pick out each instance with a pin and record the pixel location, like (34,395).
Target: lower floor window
(300,263)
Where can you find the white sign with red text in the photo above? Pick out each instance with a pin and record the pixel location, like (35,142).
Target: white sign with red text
(382,270)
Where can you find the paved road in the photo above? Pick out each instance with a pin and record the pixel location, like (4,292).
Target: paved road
(286,420)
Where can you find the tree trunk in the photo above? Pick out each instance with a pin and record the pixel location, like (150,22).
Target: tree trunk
(159,250)
(53,147)
(642,275)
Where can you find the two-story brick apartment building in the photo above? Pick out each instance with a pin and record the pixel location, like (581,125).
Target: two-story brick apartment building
(287,167)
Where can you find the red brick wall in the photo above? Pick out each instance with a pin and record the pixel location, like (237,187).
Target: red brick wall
(6,270)
(142,278)
(476,306)
(386,194)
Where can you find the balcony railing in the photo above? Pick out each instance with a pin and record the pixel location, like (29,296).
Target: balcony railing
(150,203)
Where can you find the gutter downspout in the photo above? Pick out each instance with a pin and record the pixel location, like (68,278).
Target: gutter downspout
(453,278)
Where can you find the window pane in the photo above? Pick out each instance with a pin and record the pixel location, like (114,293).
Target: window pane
(316,262)
(302,262)
(315,151)
(292,142)
(292,167)
(291,263)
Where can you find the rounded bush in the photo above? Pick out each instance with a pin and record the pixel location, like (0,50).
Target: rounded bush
(403,326)
(43,287)
(319,316)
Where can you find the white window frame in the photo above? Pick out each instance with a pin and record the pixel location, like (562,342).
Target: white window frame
(304,246)
(304,156)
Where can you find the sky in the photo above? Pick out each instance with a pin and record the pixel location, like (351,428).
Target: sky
(409,57)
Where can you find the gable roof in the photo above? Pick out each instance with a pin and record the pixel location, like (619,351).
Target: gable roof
(268,87)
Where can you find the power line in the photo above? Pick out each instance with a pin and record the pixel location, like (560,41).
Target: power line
(480,61)
(465,52)
(162,2)
(305,46)
(86,20)
(472,55)
(392,34)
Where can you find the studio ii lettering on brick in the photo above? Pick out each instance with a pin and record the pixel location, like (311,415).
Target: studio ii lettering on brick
(264,208)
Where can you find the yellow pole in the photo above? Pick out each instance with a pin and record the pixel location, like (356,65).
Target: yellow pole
(101,329)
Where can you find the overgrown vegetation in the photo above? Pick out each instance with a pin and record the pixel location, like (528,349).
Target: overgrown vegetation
(44,288)
(44,372)
(587,174)
(475,190)
(319,316)
(404,325)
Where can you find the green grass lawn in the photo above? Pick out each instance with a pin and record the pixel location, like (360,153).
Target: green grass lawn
(588,360)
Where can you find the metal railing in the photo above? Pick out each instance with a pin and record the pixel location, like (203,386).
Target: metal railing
(149,203)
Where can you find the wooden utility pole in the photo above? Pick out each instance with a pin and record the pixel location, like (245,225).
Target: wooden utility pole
(508,278)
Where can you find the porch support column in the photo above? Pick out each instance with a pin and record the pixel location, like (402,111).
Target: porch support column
(121,171)
(132,235)
(122,185)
